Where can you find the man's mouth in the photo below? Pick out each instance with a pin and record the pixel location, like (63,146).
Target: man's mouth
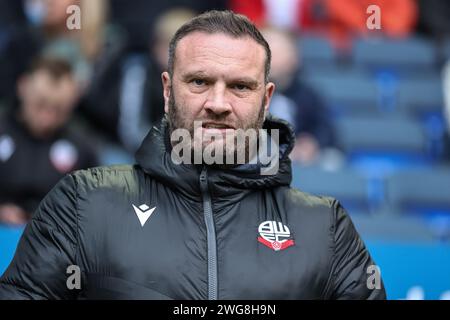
(213,125)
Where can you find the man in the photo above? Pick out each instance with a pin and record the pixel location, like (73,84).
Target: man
(162,230)
(37,144)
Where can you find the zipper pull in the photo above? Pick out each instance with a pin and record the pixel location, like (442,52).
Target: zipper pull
(203,175)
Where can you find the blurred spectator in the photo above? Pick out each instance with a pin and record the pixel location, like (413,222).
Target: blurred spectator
(80,47)
(295,101)
(35,27)
(285,14)
(17,47)
(340,20)
(126,97)
(348,18)
(434,18)
(138,17)
(446,89)
(37,146)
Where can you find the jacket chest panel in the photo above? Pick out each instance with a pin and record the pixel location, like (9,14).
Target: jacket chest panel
(163,250)
(252,268)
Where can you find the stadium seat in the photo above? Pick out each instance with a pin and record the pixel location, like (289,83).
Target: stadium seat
(411,55)
(393,226)
(420,191)
(345,185)
(348,92)
(420,96)
(315,50)
(381,135)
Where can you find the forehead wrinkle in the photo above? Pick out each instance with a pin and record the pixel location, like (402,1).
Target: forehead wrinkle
(200,47)
(219,52)
(224,66)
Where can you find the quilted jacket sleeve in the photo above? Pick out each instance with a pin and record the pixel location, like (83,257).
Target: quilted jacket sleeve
(354,273)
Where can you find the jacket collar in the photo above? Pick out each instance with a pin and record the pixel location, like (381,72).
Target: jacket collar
(232,184)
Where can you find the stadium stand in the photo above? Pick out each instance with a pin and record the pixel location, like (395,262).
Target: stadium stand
(390,54)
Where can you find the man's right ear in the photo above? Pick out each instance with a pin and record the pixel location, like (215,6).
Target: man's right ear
(166,82)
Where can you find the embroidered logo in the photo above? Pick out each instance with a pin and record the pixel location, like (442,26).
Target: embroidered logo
(275,235)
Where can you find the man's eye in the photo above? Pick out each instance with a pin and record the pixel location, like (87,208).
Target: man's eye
(240,87)
(198,82)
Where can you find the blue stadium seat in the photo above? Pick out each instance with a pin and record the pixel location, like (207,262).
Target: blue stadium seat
(420,191)
(346,92)
(384,135)
(345,185)
(420,96)
(378,146)
(412,55)
(316,50)
(393,226)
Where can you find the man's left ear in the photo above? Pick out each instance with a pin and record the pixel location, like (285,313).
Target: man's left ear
(270,89)
(166,82)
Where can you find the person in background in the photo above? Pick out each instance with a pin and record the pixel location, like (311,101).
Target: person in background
(37,144)
(149,111)
(138,19)
(284,14)
(126,91)
(345,19)
(339,20)
(43,27)
(81,47)
(296,102)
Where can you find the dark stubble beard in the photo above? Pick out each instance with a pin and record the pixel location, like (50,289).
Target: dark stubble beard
(177,121)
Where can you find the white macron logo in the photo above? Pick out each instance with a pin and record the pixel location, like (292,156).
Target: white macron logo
(143,212)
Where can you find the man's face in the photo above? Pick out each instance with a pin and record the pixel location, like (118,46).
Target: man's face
(219,80)
(46,102)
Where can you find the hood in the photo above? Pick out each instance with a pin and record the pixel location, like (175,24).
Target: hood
(229,184)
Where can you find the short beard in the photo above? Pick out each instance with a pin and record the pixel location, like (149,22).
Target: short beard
(177,121)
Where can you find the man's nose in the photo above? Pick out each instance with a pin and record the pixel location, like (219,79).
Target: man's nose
(217,101)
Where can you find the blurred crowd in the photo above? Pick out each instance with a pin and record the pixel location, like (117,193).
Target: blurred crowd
(72,99)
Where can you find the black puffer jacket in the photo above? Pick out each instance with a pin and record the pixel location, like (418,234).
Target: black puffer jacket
(202,233)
